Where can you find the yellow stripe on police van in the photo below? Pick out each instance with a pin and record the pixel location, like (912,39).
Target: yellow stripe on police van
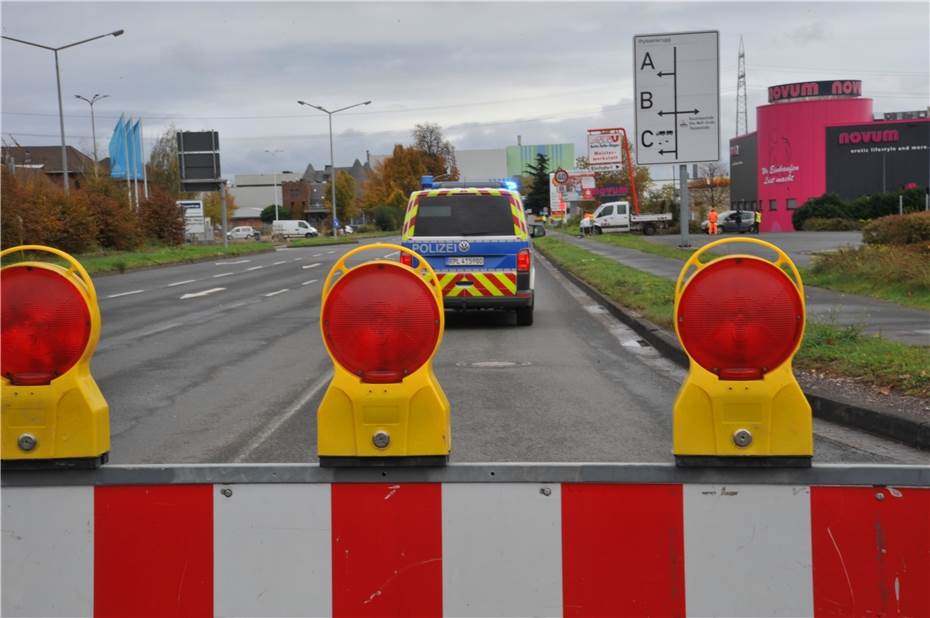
(488,284)
(507,282)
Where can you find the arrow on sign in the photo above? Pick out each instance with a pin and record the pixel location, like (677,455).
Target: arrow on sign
(662,152)
(687,111)
(661,74)
(204,293)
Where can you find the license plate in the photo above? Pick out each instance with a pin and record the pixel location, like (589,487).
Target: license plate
(465,261)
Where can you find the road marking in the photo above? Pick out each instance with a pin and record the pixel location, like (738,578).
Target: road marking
(231,263)
(277,292)
(270,429)
(171,285)
(254,268)
(223,275)
(204,293)
(317,255)
(330,252)
(314,265)
(297,259)
(279,262)
(309,282)
(160,329)
(125,294)
(392,254)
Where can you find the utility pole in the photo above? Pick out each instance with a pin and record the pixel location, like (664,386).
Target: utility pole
(93,123)
(742,108)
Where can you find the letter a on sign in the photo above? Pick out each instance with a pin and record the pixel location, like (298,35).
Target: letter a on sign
(647,61)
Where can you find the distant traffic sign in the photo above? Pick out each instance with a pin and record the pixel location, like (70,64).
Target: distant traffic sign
(677,83)
(561,176)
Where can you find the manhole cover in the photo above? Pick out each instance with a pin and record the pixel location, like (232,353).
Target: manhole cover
(492,364)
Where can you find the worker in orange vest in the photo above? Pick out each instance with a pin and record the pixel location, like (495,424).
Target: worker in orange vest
(712,222)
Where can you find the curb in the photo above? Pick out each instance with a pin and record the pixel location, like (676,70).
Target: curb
(205,258)
(904,430)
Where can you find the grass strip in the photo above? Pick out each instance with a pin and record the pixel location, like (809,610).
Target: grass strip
(122,261)
(321,241)
(637,242)
(897,274)
(841,351)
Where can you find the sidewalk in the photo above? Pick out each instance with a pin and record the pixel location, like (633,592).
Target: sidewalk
(895,322)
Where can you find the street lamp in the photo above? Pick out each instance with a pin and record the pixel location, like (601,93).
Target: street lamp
(274,180)
(61,113)
(332,161)
(93,124)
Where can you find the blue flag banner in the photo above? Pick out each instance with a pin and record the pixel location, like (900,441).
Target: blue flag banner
(138,163)
(118,162)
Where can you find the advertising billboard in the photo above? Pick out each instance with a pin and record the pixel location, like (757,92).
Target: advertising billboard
(605,149)
(743,167)
(877,157)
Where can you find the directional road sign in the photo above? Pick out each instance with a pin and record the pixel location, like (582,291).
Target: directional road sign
(677,79)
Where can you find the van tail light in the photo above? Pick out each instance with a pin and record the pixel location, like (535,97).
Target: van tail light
(523,261)
(406,259)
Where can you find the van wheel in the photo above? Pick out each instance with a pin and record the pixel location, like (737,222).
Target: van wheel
(649,229)
(525,316)
(308,235)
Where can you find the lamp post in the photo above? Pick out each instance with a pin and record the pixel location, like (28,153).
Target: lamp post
(61,114)
(93,124)
(332,160)
(274,181)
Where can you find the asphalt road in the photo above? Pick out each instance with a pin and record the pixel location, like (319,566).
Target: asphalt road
(223,361)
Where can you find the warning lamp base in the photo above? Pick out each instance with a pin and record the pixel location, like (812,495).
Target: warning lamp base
(767,461)
(66,463)
(409,461)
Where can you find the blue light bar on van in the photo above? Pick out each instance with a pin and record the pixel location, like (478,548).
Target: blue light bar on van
(426,182)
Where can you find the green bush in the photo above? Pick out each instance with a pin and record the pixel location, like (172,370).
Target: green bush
(387,218)
(898,230)
(866,207)
(835,224)
(827,206)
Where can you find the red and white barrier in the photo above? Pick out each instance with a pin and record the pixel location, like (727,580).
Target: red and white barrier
(465,549)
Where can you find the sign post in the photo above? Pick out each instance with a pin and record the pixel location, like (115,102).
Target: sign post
(677,84)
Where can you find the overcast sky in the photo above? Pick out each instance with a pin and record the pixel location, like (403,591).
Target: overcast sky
(485,72)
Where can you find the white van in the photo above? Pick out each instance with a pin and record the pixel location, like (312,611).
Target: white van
(292,228)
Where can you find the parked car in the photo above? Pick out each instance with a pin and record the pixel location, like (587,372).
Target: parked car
(243,232)
(293,228)
(737,221)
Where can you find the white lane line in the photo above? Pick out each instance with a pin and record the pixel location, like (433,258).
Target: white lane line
(254,268)
(392,254)
(317,255)
(297,259)
(125,294)
(330,252)
(171,285)
(309,282)
(204,293)
(279,262)
(223,275)
(272,428)
(160,329)
(277,292)
(231,263)
(314,265)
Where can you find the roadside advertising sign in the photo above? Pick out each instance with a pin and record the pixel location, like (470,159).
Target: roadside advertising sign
(605,149)
(193,216)
(572,189)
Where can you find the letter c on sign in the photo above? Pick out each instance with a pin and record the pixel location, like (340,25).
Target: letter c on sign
(642,139)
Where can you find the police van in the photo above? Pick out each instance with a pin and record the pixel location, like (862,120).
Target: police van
(475,236)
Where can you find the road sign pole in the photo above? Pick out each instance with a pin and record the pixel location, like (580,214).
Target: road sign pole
(684,217)
(223,209)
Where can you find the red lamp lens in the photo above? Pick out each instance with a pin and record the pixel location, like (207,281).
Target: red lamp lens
(740,318)
(523,260)
(406,259)
(45,325)
(381,322)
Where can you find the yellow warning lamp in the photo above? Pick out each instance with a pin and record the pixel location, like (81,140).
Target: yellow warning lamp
(53,413)
(740,319)
(382,323)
